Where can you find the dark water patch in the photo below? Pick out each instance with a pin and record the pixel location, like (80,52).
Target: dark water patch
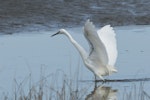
(20,15)
(118,80)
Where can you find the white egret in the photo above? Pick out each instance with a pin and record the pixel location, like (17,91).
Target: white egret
(103,49)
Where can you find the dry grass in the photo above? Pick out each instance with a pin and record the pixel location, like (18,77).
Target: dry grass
(135,92)
(59,86)
(56,86)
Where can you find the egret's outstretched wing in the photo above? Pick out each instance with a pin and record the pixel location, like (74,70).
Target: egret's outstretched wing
(98,52)
(107,36)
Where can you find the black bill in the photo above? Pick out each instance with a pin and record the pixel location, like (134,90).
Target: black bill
(55,34)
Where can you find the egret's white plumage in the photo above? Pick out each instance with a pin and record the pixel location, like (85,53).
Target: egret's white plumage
(107,35)
(103,49)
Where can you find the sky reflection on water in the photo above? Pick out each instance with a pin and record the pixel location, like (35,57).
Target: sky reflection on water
(25,54)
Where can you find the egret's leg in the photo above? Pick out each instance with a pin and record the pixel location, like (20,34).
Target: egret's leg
(104,81)
(95,78)
(95,81)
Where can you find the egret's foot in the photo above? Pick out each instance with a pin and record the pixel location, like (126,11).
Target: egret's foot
(104,81)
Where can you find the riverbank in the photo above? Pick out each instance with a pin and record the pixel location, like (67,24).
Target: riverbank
(37,15)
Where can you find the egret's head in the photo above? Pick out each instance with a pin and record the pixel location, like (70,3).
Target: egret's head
(61,31)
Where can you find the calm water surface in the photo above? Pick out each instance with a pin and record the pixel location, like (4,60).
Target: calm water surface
(29,58)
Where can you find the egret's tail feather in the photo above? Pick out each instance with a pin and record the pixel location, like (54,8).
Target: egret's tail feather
(114,70)
(111,69)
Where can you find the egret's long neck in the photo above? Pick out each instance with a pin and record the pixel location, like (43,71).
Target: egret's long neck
(81,50)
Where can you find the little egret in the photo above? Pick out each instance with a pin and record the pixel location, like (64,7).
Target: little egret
(103,49)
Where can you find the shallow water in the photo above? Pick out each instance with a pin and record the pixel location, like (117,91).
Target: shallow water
(27,57)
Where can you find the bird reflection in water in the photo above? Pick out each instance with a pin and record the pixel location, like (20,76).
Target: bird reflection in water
(102,93)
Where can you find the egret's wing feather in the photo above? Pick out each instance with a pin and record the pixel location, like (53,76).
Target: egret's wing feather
(107,36)
(98,52)
(90,43)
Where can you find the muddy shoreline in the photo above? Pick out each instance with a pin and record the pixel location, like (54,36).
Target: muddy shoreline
(35,15)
